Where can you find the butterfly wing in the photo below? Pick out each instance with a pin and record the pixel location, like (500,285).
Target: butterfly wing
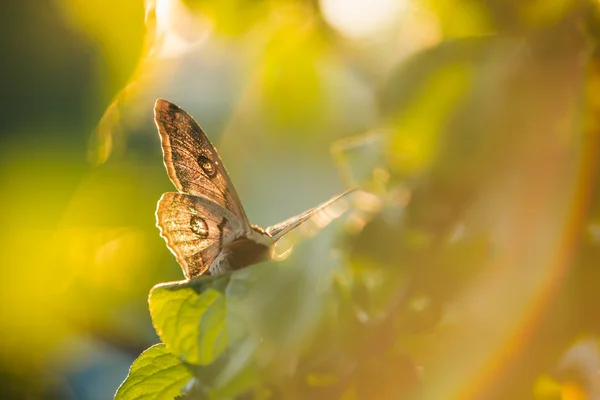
(279,230)
(192,162)
(195,230)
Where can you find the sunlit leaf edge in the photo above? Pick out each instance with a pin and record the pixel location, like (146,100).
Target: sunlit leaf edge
(156,374)
(184,339)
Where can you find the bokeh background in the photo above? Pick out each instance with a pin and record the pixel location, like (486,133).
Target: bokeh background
(470,271)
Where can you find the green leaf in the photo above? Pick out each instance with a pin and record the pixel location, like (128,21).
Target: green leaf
(156,374)
(191,318)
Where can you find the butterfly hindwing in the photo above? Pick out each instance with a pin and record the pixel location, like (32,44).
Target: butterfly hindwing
(195,230)
(192,162)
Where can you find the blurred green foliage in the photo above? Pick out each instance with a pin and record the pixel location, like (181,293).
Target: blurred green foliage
(468,271)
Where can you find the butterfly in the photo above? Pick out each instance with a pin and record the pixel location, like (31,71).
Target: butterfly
(204,224)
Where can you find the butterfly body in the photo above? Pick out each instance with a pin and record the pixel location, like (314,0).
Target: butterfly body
(205,225)
(242,252)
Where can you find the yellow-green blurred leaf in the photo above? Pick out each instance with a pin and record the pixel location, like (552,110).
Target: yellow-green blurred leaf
(419,127)
(231,17)
(461,18)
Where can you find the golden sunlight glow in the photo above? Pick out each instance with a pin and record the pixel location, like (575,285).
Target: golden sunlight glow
(177,29)
(462,265)
(357,19)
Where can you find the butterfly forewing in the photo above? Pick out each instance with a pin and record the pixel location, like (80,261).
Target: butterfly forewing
(192,162)
(282,228)
(195,230)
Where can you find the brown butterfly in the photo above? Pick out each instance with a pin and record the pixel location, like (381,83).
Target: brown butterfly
(205,225)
